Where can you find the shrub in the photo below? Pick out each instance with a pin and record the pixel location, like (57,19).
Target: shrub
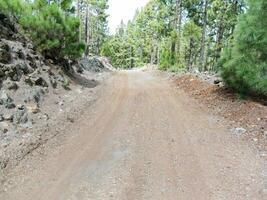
(245,64)
(51,27)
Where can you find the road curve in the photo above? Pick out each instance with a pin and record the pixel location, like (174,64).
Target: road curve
(142,140)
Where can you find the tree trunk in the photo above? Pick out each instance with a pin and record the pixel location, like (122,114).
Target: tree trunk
(203,40)
(87,30)
(219,38)
(86,24)
(190,59)
(179,24)
(79,16)
(132,55)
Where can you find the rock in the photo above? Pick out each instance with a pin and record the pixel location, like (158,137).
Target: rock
(221,84)
(21,116)
(24,67)
(33,108)
(53,82)
(61,103)
(217,81)
(43,117)
(92,64)
(40,82)
(239,131)
(8,117)
(15,77)
(10,85)
(21,54)
(36,81)
(10,106)
(5,54)
(70,119)
(6,100)
(35,96)
(3,126)
(29,81)
(2,118)
(28,125)
(4,97)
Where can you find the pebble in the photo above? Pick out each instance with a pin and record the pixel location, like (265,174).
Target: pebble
(238,131)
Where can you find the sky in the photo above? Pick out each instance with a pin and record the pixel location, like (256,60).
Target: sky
(122,10)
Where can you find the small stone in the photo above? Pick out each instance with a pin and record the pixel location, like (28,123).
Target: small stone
(21,54)
(263,154)
(8,117)
(70,119)
(53,82)
(46,117)
(217,81)
(10,105)
(5,54)
(10,85)
(13,86)
(33,108)
(21,115)
(35,96)
(6,100)
(28,81)
(41,82)
(239,131)
(61,103)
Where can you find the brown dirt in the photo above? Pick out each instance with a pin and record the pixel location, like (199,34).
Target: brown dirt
(142,139)
(242,113)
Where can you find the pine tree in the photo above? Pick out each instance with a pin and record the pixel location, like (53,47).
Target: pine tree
(245,64)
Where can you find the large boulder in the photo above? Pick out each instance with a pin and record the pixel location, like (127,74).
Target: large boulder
(93,64)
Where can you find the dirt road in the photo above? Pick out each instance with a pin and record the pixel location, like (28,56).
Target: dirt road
(142,140)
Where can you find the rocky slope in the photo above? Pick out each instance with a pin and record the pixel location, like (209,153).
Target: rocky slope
(32,89)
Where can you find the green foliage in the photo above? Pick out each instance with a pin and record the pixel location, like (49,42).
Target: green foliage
(170,33)
(245,64)
(14,8)
(50,25)
(98,24)
(167,58)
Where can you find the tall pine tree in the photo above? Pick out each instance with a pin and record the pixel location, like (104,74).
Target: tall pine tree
(245,64)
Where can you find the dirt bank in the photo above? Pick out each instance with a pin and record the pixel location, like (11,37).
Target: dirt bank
(247,114)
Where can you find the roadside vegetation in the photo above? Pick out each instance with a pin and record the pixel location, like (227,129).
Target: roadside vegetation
(221,36)
(60,28)
(227,37)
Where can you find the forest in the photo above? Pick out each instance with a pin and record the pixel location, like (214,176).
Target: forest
(223,36)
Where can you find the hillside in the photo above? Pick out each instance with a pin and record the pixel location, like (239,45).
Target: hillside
(33,88)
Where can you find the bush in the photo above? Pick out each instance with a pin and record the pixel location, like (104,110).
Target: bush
(14,8)
(53,30)
(245,64)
